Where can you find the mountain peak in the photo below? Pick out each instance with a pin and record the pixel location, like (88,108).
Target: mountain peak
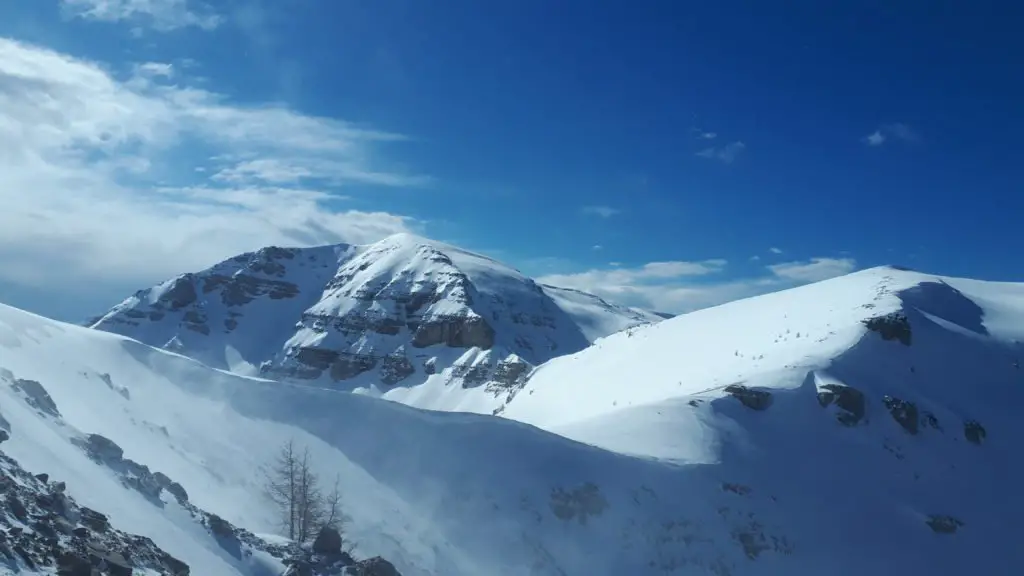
(405,309)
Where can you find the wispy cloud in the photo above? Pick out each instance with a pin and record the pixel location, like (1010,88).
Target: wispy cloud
(775,250)
(161,15)
(685,286)
(885,132)
(703,134)
(726,154)
(99,179)
(813,270)
(600,211)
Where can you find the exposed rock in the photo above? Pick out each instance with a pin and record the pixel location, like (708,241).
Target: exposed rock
(49,533)
(328,541)
(73,564)
(430,366)
(944,524)
(974,432)
(351,365)
(37,396)
(240,288)
(375,566)
(181,293)
(892,326)
(511,371)
(454,332)
(220,526)
(103,448)
(849,400)
(904,413)
(396,367)
(753,399)
(93,520)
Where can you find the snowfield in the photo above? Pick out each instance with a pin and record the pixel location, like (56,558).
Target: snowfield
(863,425)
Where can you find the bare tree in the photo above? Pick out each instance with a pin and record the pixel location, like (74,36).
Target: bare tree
(309,502)
(294,488)
(282,487)
(333,517)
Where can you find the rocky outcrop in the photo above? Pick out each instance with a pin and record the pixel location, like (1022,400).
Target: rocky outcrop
(430,365)
(133,475)
(944,524)
(974,432)
(753,399)
(180,294)
(311,362)
(44,530)
(241,289)
(326,557)
(396,367)
(454,332)
(892,326)
(903,412)
(36,396)
(850,402)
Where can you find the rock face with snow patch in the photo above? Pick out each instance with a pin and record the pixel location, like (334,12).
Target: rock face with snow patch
(387,314)
(42,530)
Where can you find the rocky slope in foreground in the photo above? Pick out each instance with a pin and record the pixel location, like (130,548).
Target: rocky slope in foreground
(43,530)
(390,314)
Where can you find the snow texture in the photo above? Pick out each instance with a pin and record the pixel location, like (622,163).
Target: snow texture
(862,425)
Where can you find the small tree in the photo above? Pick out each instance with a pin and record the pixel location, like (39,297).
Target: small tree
(282,487)
(333,517)
(294,488)
(309,502)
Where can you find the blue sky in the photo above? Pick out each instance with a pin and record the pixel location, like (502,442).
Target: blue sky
(736,146)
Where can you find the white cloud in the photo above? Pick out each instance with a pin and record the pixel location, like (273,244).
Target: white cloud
(703,134)
(876,138)
(775,250)
(726,154)
(679,287)
(814,270)
(898,131)
(99,180)
(597,247)
(162,15)
(602,211)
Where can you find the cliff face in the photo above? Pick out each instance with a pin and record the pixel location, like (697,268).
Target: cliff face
(387,314)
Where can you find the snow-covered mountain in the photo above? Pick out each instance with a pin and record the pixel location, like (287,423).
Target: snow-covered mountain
(863,425)
(391,314)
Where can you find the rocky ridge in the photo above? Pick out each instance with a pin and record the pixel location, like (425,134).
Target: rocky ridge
(44,531)
(394,313)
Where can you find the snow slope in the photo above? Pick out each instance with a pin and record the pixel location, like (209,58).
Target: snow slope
(381,318)
(863,425)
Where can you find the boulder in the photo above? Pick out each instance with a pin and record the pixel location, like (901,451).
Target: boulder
(375,566)
(328,541)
